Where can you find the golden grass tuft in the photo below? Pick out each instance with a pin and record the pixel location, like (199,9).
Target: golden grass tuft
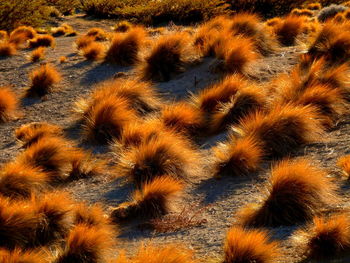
(302,12)
(250,26)
(90,215)
(245,245)
(314,6)
(168,154)
(42,80)
(7,49)
(97,33)
(288,30)
(184,118)
(9,104)
(37,54)
(4,35)
(283,129)
(25,32)
(30,133)
(42,41)
(169,55)
(63,59)
(237,157)
(140,96)
(274,21)
(237,55)
(173,253)
(94,51)
(21,181)
(87,244)
(106,120)
(247,100)
(296,192)
(344,163)
(20,256)
(211,98)
(151,201)
(123,26)
(125,48)
(326,237)
(84,41)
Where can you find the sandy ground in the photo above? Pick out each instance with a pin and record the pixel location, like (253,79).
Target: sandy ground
(220,198)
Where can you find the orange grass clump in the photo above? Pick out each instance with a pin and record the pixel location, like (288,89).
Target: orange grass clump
(325,238)
(250,26)
(151,201)
(169,55)
(19,256)
(51,155)
(245,245)
(7,49)
(63,59)
(123,26)
(37,54)
(125,48)
(94,51)
(172,253)
(211,98)
(288,30)
(84,41)
(139,96)
(19,180)
(42,80)
(237,157)
(92,216)
(97,33)
(283,129)
(314,6)
(106,120)
(247,100)
(168,154)
(238,54)
(296,192)
(9,104)
(30,133)
(23,32)
(87,244)
(344,164)
(302,12)
(184,118)
(42,41)
(3,35)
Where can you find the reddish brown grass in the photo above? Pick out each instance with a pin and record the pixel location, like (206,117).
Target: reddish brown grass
(94,51)
(344,164)
(42,80)
(97,33)
(7,49)
(20,256)
(37,54)
(9,104)
(84,41)
(297,190)
(288,30)
(244,245)
(42,41)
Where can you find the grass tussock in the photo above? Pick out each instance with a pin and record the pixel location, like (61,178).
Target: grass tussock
(43,80)
(4,35)
(87,244)
(302,12)
(7,49)
(174,253)
(288,30)
(106,120)
(314,6)
(183,118)
(30,133)
(84,41)
(237,157)
(169,55)
(325,238)
(244,245)
(344,164)
(90,215)
(37,54)
(168,154)
(63,59)
(42,41)
(123,26)
(19,256)
(27,32)
(139,96)
(151,201)
(250,26)
(283,129)
(21,181)
(97,33)
(125,47)
(297,190)
(94,51)
(9,105)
